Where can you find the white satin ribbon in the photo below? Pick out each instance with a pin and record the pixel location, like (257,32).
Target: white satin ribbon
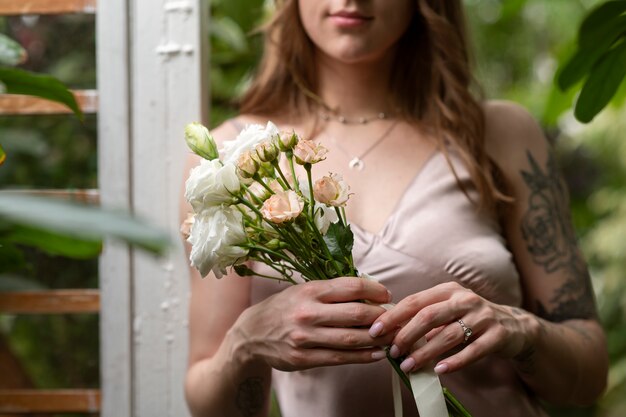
(425,384)
(427,391)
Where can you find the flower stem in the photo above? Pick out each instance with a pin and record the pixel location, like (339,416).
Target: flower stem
(296,186)
(280,172)
(258,179)
(455,408)
(307,168)
(343,223)
(329,255)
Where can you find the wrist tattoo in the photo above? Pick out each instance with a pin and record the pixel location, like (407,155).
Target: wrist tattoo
(551,241)
(526,360)
(250,397)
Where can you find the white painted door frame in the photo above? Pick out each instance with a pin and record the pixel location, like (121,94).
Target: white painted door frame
(152,80)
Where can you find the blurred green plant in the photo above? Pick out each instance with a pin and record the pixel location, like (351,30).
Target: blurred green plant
(18,81)
(55,227)
(599,60)
(69,230)
(235,50)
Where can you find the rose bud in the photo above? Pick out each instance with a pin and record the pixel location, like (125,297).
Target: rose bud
(267,151)
(309,152)
(258,191)
(286,141)
(247,166)
(200,141)
(332,191)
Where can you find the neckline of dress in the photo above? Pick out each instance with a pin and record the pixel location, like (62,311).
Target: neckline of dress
(380,233)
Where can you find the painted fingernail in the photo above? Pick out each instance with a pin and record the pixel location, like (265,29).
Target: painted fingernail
(378,355)
(441,368)
(394,352)
(376,329)
(407,365)
(389,295)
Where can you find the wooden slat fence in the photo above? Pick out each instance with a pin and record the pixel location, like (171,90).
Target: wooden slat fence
(22,7)
(66,301)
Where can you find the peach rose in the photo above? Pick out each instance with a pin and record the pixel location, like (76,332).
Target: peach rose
(332,190)
(309,152)
(282,207)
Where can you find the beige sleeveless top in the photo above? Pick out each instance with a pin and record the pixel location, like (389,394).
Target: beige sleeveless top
(433,235)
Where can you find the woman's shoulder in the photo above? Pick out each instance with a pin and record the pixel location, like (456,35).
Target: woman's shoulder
(511,133)
(230,128)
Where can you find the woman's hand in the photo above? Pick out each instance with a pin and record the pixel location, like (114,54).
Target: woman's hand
(435,313)
(314,324)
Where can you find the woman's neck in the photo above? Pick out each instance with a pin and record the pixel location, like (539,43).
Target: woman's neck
(355,90)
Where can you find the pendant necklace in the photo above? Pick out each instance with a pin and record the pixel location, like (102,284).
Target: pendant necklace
(356,161)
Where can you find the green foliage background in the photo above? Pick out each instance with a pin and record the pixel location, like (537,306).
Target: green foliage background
(519,46)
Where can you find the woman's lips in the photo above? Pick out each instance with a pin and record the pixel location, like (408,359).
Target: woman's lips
(346,19)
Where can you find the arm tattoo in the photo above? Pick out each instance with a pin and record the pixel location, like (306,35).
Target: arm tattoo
(250,397)
(551,241)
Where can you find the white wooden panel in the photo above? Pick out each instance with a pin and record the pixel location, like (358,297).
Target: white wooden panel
(168,92)
(152,56)
(114,152)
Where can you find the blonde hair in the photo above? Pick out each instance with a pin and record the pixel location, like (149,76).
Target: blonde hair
(432,88)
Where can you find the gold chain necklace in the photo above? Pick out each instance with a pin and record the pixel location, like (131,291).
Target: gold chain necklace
(356,161)
(326,116)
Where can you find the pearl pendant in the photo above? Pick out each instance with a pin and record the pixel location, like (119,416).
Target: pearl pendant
(357,164)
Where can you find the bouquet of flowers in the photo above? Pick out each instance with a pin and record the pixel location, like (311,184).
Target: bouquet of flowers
(248,205)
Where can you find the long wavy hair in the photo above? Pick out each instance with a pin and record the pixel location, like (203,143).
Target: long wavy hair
(432,88)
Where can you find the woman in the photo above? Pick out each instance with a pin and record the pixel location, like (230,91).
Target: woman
(457,211)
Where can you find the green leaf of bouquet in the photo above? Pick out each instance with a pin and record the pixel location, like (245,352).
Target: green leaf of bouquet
(602,84)
(11,52)
(3,155)
(55,243)
(80,222)
(339,240)
(243,271)
(590,51)
(18,81)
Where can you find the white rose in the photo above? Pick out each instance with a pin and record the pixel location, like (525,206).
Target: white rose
(324,216)
(247,140)
(214,236)
(211,184)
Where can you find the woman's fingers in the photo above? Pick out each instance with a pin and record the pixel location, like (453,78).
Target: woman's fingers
(351,314)
(336,338)
(424,321)
(448,338)
(406,309)
(350,289)
(473,351)
(309,358)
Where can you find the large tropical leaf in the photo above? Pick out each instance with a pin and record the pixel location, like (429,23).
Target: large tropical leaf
(598,60)
(81,223)
(54,243)
(602,84)
(17,81)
